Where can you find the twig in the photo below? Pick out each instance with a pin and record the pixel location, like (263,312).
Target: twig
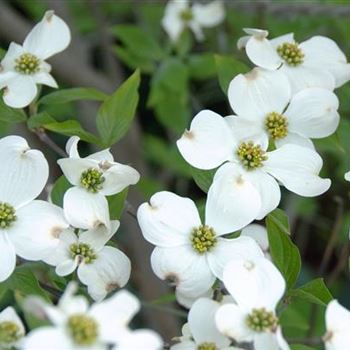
(43,137)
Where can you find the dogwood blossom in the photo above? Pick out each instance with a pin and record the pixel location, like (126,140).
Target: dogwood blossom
(102,268)
(316,62)
(257,286)
(77,326)
(202,335)
(28,227)
(338,327)
(266,108)
(180,15)
(12,329)
(189,254)
(212,141)
(94,176)
(23,67)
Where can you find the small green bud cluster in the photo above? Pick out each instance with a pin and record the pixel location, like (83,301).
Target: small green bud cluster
(276,125)
(92,179)
(83,329)
(261,320)
(251,156)
(83,251)
(203,239)
(291,53)
(27,64)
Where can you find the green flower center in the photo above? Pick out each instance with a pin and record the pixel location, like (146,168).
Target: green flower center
(83,251)
(251,156)
(207,346)
(27,64)
(261,320)
(276,125)
(186,15)
(291,53)
(203,239)
(10,332)
(7,215)
(83,329)
(92,179)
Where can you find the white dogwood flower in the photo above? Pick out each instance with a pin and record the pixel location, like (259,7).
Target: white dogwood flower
(179,14)
(23,67)
(316,62)
(101,268)
(212,141)
(202,335)
(338,327)
(93,177)
(188,253)
(77,326)
(28,227)
(257,286)
(12,329)
(266,108)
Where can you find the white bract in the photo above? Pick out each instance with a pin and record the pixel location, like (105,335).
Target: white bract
(12,329)
(76,326)
(259,234)
(316,62)
(93,177)
(23,67)
(188,253)
(212,140)
(180,15)
(266,108)
(338,327)
(257,286)
(201,332)
(28,227)
(101,268)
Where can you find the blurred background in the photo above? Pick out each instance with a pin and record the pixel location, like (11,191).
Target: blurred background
(110,39)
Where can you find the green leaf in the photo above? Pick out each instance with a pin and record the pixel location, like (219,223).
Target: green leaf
(284,252)
(74,94)
(25,283)
(138,42)
(11,115)
(227,68)
(202,66)
(165,155)
(116,204)
(314,292)
(203,178)
(300,347)
(67,127)
(59,189)
(117,112)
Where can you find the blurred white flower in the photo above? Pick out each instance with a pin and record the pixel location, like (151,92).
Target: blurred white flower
(338,327)
(23,67)
(28,227)
(257,286)
(101,268)
(189,254)
(316,62)
(259,234)
(180,15)
(12,330)
(212,141)
(93,178)
(347,176)
(266,108)
(76,326)
(198,334)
